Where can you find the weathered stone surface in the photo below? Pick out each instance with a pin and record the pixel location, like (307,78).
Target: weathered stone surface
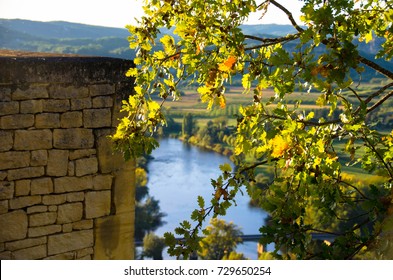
(56,105)
(71,168)
(94,118)
(24,201)
(102,182)
(84,224)
(84,252)
(27,172)
(42,219)
(52,208)
(3,206)
(39,158)
(107,160)
(13,226)
(73,138)
(33,139)
(5,93)
(33,253)
(41,186)
(44,230)
(102,102)
(63,256)
(6,140)
(37,209)
(33,92)
(7,190)
(54,199)
(77,154)
(57,163)
(25,243)
(66,242)
(17,121)
(31,106)
(22,187)
(67,227)
(69,212)
(71,119)
(80,104)
(86,166)
(3,175)
(73,184)
(12,160)
(70,92)
(75,196)
(47,120)
(103,89)
(9,108)
(6,255)
(98,204)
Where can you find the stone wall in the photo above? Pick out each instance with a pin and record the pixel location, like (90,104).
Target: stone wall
(63,193)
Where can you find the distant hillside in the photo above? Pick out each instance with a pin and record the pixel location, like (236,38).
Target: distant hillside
(75,38)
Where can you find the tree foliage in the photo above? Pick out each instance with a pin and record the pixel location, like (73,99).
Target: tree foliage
(209,48)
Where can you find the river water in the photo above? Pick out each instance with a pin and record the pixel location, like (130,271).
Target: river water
(179,173)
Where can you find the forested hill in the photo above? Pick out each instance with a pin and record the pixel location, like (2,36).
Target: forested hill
(75,38)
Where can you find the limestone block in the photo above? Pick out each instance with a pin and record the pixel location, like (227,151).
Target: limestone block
(73,184)
(3,175)
(9,108)
(44,230)
(31,106)
(33,92)
(3,206)
(104,89)
(42,219)
(94,118)
(80,104)
(67,227)
(86,166)
(11,160)
(76,154)
(107,160)
(52,208)
(17,121)
(39,158)
(84,252)
(71,119)
(57,163)
(69,212)
(75,196)
(6,140)
(22,187)
(27,172)
(47,120)
(33,253)
(37,209)
(73,138)
(87,257)
(98,204)
(102,102)
(13,226)
(56,105)
(33,139)
(24,201)
(66,242)
(5,93)
(54,199)
(42,185)
(25,243)
(70,92)
(71,168)
(6,255)
(102,182)
(84,224)
(7,190)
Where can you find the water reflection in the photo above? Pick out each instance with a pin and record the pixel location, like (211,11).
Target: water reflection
(179,173)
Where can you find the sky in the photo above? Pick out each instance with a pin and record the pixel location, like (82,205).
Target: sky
(113,13)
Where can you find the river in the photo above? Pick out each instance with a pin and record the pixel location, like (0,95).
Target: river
(179,173)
